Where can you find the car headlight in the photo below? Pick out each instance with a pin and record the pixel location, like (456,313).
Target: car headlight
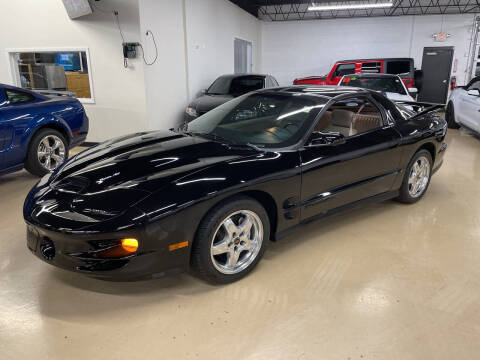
(191,111)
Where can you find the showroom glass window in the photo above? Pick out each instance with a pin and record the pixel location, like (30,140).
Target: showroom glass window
(55,71)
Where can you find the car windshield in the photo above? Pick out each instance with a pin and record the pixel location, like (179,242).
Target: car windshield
(266,119)
(227,85)
(381,84)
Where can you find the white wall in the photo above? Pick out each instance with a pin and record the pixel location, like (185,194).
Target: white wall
(119,93)
(212,26)
(195,40)
(301,48)
(165,80)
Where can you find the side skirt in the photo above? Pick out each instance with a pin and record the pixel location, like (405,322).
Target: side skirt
(10,169)
(372,199)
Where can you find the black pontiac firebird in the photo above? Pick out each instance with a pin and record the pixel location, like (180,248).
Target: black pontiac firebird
(211,197)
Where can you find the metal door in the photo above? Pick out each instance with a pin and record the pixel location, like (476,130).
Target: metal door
(242,56)
(436,67)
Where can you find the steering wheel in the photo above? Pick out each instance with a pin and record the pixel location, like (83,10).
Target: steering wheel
(290,124)
(274,134)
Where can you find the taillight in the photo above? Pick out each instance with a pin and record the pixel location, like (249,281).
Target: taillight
(453,82)
(409,83)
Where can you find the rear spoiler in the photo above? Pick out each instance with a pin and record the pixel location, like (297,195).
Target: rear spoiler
(55,93)
(421,108)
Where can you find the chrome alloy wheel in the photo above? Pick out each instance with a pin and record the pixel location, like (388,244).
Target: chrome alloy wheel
(418,177)
(51,152)
(236,242)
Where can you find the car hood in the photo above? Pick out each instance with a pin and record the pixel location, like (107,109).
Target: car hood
(145,161)
(106,180)
(208,102)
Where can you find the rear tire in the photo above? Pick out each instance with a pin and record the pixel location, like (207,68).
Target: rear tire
(48,149)
(224,250)
(450,117)
(417,177)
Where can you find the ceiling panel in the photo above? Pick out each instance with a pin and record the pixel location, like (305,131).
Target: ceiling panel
(285,10)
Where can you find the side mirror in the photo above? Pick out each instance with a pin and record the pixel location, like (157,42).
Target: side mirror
(473,92)
(202,92)
(413,90)
(322,139)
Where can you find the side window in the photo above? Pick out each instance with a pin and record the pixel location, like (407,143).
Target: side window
(244,84)
(345,69)
(398,67)
(18,97)
(371,67)
(475,85)
(350,117)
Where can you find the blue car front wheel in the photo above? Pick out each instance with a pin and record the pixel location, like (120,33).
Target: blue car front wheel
(47,151)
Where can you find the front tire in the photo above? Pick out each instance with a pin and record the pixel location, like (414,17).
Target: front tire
(450,117)
(47,150)
(417,178)
(231,240)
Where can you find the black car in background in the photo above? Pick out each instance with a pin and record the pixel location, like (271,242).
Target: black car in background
(225,88)
(211,197)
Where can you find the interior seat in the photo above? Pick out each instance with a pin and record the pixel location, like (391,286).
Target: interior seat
(324,122)
(366,122)
(342,122)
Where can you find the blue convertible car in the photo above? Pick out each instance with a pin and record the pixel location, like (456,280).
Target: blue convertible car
(37,130)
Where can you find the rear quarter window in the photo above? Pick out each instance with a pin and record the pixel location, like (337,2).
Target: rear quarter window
(18,97)
(398,67)
(372,67)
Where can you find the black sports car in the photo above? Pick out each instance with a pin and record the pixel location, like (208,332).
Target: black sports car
(245,173)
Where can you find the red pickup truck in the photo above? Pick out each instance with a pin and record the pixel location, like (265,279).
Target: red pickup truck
(402,67)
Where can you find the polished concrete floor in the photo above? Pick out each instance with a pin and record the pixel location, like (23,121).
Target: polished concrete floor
(387,281)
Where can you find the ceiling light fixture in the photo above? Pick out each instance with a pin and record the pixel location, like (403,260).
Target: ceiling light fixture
(314,7)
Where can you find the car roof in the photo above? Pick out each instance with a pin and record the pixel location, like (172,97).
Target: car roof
(231,76)
(377,59)
(318,90)
(6,86)
(10,87)
(383,75)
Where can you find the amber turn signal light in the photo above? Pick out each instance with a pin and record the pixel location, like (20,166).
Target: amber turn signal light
(130,245)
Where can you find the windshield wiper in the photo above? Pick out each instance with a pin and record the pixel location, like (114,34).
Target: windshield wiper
(210,136)
(255,147)
(223,140)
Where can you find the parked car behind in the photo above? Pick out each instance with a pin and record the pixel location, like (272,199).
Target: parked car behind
(463,106)
(37,130)
(225,88)
(404,67)
(391,86)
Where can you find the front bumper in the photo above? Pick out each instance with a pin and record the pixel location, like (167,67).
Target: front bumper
(77,252)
